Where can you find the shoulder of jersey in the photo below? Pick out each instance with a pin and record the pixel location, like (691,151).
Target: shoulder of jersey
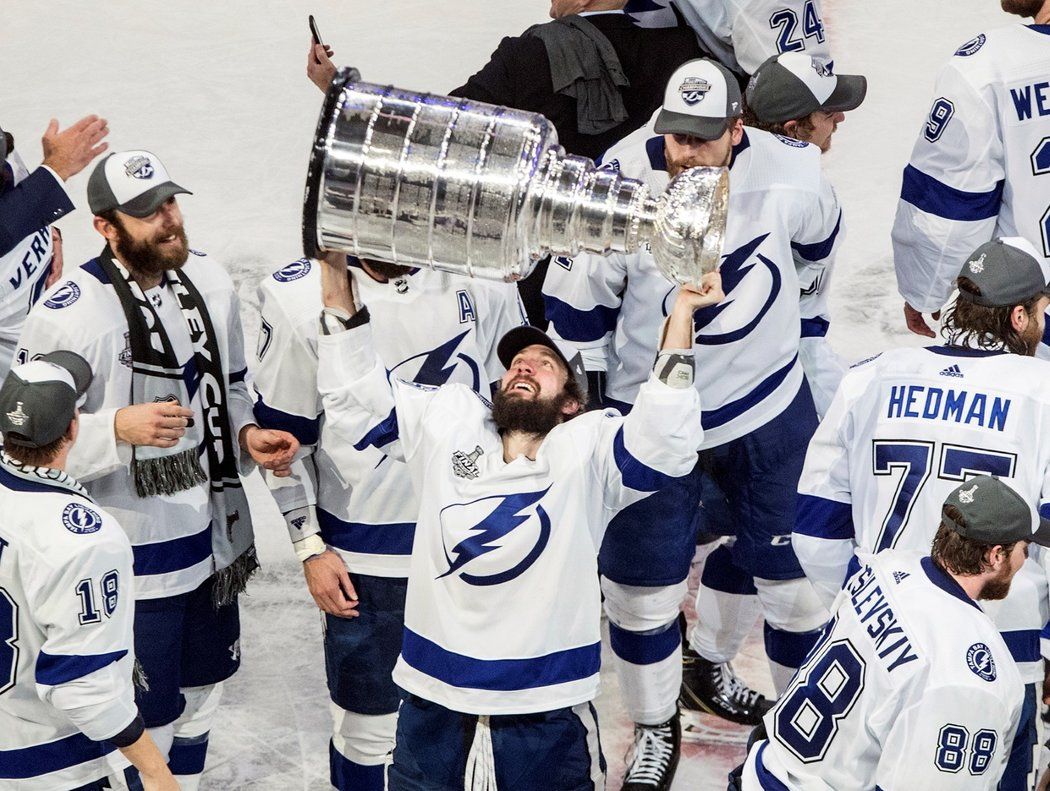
(628,157)
(296,286)
(71,290)
(61,519)
(776,145)
(990,48)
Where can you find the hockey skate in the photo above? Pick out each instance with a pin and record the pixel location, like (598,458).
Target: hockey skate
(715,689)
(654,757)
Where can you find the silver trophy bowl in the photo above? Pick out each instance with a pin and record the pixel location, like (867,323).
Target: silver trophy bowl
(486,191)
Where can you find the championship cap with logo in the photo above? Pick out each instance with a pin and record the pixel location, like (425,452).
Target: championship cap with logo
(793,84)
(700,99)
(993,513)
(1008,271)
(39,398)
(134,182)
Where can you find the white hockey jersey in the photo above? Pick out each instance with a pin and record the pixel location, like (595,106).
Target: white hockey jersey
(24,269)
(904,429)
(784,223)
(981,165)
(430,327)
(911,687)
(741,34)
(170,534)
(66,651)
(503,611)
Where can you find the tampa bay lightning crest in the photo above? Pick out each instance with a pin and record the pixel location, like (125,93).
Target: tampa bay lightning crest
(293,271)
(494,539)
(80,519)
(751,283)
(64,296)
(979,660)
(972,46)
(441,365)
(693,90)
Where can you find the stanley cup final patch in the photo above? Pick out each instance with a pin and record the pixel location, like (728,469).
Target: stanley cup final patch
(464,465)
(693,90)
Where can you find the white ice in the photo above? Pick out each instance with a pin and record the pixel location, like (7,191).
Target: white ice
(218,91)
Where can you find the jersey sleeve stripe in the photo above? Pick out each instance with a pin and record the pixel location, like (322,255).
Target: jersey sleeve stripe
(55,669)
(718,417)
(41,759)
(578,325)
(1023,644)
(815,327)
(503,675)
(935,197)
(636,474)
(819,250)
(166,557)
(375,539)
(381,434)
(822,518)
(306,430)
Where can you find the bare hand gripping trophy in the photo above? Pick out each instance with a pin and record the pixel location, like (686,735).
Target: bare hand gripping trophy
(486,191)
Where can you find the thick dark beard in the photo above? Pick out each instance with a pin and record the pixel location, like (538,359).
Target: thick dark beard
(145,258)
(996,589)
(540,417)
(1026,8)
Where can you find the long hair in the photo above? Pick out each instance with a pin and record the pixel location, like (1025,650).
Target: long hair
(966,323)
(957,554)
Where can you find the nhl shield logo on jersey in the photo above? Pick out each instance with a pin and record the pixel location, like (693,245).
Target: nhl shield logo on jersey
(293,271)
(979,660)
(63,297)
(464,465)
(80,519)
(139,167)
(693,90)
(494,539)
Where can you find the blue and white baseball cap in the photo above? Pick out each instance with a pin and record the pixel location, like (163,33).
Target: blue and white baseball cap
(133,182)
(700,100)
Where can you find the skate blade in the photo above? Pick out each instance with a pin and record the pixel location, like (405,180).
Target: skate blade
(707,728)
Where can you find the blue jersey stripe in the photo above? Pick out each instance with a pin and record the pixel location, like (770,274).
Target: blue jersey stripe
(1023,644)
(577,325)
(815,327)
(166,557)
(766,779)
(644,649)
(94,268)
(636,474)
(19,484)
(823,518)
(381,434)
(819,250)
(306,430)
(934,197)
(52,669)
(499,675)
(734,409)
(41,759)
(382,539)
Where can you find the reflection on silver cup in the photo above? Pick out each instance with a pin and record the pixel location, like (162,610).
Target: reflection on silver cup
(486,191)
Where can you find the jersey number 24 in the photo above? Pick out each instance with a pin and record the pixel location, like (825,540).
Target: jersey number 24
(786,19)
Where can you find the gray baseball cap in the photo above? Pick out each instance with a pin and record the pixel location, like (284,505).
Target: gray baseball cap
(513,341)
(792,85)
(134,182)
(39,398)
(1007,271)
(994,513)
(700,99)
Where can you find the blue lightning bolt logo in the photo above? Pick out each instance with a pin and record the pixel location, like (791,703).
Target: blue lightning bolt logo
(438,364)
(486,535)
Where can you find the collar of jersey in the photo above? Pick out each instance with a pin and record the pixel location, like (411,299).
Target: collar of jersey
(944,581)
(963,351)
(1044,29)
(44,477)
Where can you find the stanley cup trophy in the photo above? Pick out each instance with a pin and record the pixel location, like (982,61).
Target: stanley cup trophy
(486,191)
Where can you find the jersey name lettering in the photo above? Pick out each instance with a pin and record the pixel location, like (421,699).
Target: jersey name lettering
(869,602)
(959,406)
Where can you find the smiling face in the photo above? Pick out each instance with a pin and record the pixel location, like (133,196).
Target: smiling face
(535,394)
(148,245)
(535,373)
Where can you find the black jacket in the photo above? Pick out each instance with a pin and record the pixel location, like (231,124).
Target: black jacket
(518,75)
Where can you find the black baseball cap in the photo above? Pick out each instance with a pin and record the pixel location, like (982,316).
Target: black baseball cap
(134,182)
(39,398)
(700,100)
(994,513)
(522,337)
(792,85)
(1008,271)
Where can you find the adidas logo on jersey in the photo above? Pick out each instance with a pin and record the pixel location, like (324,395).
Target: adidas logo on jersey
(900,576)
(952,370)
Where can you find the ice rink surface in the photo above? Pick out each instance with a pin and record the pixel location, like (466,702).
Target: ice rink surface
(218,91)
